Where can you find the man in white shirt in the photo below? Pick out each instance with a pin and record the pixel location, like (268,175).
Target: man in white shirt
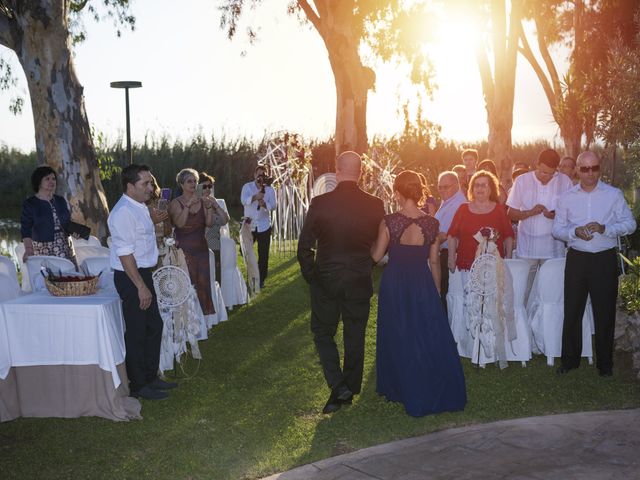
(259,199)
(532,203)
(590,217)
(133,255)
(452,198)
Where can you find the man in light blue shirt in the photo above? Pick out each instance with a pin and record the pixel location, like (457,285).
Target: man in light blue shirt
(590,217)
(452,198)
(259,199)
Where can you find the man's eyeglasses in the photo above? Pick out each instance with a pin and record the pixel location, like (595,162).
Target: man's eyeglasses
(207,187)
(592,168)
(445,187)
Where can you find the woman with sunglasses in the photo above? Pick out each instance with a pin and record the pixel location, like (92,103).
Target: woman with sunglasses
(191,213)
(220,218)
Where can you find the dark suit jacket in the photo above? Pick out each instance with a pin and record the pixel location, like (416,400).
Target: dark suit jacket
(340,226)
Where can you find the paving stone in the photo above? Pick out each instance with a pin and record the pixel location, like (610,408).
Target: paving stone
(584,446)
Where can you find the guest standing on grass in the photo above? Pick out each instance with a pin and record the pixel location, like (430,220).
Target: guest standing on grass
(452,198)
(134,254)
(220,218)
(191,214)
(259,199)
(532,203)
(416,359)
(590,217)
(334,256)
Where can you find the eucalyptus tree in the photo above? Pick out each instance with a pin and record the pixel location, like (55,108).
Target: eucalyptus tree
(496,49)
(41,33)
(345,26)
(588,30)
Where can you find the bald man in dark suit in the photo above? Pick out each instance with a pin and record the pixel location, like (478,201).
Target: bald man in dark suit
(334,256)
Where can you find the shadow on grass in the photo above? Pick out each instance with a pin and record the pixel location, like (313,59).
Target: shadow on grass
(254,406)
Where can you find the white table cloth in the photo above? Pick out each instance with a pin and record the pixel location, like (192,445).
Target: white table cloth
(40,329)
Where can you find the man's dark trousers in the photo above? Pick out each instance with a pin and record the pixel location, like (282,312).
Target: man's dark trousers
(264,242)
(594,274)
(143,333)
(326,310)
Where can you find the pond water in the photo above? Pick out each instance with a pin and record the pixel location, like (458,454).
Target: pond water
(9,237)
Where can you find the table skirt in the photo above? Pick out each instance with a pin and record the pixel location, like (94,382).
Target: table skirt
(66,391)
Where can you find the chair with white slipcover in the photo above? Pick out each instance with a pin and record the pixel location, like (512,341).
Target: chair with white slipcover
(87,251)
(9,287)
(100,266)
(216,294)
(90,242)
(519,349)
(57,264)
(546,312)
(234,290)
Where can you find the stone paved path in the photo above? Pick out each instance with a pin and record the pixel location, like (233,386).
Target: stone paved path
(585,446)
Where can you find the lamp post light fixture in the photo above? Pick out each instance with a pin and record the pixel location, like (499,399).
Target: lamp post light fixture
(127,85)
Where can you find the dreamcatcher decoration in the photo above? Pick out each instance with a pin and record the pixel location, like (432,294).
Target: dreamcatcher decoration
(289,162)
(489,299)
(179,309)
(379,169)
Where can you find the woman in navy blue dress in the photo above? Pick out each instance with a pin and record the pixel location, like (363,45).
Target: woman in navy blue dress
(417,361)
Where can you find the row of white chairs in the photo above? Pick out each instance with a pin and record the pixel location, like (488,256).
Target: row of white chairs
(538,324)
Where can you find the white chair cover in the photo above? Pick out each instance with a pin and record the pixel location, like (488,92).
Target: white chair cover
(87,251)
(9,287)
(36,261)
(216,295)
(234,290)
(81,242)
(100,266)
(26,283)
(520,348)
(468,346)
(546,312)
(455,305)
(109,242)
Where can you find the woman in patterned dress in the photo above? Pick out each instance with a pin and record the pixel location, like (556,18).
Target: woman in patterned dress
(190,216)
(45,218)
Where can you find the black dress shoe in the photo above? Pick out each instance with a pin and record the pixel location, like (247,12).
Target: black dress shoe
(332,406)
(150,394)
(343,394)
(606,372)
(159,384)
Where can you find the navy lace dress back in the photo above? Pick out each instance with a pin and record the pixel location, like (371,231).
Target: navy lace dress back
(416,359)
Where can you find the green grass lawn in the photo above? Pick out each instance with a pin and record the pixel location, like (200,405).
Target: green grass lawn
(253,408)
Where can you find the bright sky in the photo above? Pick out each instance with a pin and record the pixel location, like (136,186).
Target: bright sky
(195,80)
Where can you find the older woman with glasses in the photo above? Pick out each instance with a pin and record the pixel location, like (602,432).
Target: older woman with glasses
(191,213)
(483,216)
(220,218)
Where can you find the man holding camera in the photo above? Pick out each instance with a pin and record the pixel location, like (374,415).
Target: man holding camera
(259,198)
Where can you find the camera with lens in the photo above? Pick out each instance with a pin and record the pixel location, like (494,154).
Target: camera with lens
(264,180)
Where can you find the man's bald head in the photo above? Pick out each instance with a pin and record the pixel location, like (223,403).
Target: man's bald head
(348,166)
(587,157)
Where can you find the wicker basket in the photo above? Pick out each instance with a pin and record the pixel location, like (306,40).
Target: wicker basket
(72,289)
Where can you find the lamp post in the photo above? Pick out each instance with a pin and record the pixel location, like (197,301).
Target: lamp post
(127,85)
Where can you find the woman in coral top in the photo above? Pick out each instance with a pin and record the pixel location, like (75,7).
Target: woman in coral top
(483,210)
(482,214)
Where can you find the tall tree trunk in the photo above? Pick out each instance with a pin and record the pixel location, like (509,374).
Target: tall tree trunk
(499,86)
(353,82)
(63,137)
(336,24)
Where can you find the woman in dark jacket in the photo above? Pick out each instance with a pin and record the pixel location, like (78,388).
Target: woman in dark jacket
(45,218)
